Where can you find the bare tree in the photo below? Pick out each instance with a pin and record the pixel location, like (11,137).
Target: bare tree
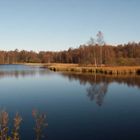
(100,41)
(92,42)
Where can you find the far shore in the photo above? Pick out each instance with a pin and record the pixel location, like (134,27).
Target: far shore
(69,67)
(112,70)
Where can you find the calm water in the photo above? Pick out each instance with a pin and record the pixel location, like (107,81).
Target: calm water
(78,107)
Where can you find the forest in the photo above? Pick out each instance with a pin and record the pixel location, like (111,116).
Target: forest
(108,55)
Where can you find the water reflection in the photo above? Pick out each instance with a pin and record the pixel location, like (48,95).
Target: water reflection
(98,84)
(97,92)
(129,80)
(71,114)
(23,71)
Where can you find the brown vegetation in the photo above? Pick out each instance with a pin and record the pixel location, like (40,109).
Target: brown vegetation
(95,54)
(4,119)
(40,124)
(117,70)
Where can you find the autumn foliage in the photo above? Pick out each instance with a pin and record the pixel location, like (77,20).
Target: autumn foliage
(127,54)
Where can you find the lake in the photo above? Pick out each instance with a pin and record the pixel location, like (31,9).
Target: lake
(78,106)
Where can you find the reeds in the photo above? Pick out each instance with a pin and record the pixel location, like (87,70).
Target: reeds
(4,118)
(4,129)
(40,123)
(118,70)
(13,134)
(17,122)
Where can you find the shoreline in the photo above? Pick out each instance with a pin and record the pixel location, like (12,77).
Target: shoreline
(109,70)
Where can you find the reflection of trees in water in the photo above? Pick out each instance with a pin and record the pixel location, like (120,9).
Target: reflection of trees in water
(99,83)
(129,80)
(97,92)
(23,73)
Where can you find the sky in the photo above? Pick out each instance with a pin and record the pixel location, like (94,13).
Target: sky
(54,25)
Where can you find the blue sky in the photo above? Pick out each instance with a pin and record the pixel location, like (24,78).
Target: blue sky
(60,24)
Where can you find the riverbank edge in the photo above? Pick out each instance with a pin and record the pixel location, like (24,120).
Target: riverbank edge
(111,70)
(101,70)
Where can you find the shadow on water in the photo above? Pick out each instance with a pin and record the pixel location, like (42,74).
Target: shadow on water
(98,84)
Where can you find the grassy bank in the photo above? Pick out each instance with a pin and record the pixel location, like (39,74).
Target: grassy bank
(32,64)
(112,70)
(118,70)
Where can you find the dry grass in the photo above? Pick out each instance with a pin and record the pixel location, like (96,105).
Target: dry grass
(40,125)
(88,68)
(92,69)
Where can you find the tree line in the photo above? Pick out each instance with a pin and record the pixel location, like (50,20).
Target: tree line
(127,54)
(94,52)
